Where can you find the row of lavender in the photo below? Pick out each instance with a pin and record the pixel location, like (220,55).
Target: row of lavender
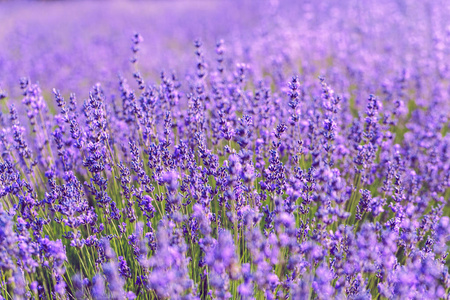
(304,156)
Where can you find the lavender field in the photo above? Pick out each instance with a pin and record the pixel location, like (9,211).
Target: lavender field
(225,149)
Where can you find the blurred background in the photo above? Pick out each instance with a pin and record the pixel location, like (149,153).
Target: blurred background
(71,45)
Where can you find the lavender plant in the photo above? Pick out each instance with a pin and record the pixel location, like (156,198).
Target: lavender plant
(300,151)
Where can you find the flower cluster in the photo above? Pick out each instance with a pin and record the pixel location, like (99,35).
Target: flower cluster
(305,155)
